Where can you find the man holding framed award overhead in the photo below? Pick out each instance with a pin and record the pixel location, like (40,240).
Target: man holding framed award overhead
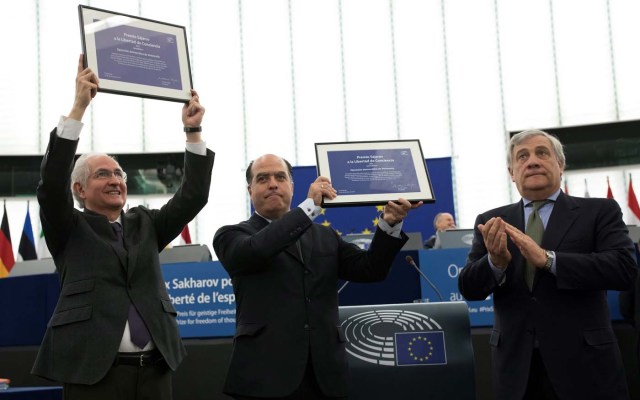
(113,333)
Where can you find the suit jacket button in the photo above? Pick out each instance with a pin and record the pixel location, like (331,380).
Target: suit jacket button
(307,299)
(306,327)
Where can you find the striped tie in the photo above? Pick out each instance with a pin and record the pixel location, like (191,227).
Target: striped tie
(535,230)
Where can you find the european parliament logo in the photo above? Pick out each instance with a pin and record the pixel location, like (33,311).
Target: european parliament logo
(395,338)
(420,348)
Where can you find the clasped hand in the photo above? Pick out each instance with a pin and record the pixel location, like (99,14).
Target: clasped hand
(495,232)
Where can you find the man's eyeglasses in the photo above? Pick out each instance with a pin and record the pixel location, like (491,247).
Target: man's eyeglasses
(107,174)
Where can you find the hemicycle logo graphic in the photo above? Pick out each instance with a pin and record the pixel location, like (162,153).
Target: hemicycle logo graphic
(395,338)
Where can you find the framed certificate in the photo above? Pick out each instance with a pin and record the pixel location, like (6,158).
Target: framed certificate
(374,172)
(135,56)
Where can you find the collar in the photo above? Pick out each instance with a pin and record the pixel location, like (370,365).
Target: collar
(552,198)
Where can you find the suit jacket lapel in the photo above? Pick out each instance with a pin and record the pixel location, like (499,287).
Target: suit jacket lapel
(565,212)
(306,241)
(260,223)
(514,215)
(131,254)
(101,225)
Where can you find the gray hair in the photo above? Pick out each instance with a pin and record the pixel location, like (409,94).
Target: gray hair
(524,135)
(435,220)
(81,172)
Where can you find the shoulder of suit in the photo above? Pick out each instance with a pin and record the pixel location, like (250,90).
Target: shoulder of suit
(588,200)
(136,211)
(501,210)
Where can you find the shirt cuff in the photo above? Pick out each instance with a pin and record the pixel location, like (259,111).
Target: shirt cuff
(498,273)
(553,265)
(69,128)
(388,229)
(199,148)
(310,208)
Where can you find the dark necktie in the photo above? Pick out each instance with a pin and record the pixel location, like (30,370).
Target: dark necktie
(535,230)
(139,333)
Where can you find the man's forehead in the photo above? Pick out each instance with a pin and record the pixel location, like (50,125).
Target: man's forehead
(533,142)
(102,162)
(270,171)
(269,165)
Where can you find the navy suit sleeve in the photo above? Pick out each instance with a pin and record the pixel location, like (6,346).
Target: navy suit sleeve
(597,253)
(476,280)
(54,191)
(245,249)
(373,265)
(190,198)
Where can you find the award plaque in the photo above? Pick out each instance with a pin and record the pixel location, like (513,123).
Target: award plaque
(135,56)
(374,173)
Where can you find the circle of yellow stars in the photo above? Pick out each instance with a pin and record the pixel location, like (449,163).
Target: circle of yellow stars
(379,209)
(429,347)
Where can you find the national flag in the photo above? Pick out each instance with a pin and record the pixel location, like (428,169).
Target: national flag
(586,190)
(609,192)
(6,251)
(43,249)
(633,201)
(420,348)
(566,187)
(185,235)
(27,247)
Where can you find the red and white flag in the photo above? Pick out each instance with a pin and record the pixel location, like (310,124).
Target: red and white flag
(633,202)
(185,236)
(609,192)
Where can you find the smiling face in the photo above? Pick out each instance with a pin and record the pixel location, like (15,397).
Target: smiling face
(535,168)
(271,187)
(105,192)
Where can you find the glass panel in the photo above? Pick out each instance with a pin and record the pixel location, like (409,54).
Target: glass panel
(529,82)
(368,68)
(480,172)
(584,62)
(420,67)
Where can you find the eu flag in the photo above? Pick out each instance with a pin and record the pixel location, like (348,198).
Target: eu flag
(420,348)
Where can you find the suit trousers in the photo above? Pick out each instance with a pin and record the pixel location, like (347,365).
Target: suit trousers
(308,389)
(126,382)
(539,386)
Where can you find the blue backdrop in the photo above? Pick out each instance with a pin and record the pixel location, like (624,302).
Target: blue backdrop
(347,220)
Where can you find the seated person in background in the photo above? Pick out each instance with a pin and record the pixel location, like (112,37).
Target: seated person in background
(441,222)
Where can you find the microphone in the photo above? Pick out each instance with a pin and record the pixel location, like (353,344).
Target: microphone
(343,286)
(409,259)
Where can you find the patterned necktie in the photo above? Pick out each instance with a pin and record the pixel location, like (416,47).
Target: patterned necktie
(140,335)
(535,230)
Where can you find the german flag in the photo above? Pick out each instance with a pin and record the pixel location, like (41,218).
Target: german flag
(6,251)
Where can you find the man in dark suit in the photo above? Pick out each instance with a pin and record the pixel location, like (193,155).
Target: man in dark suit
(630,307)
(552,336)
(285,271)
(113,334)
